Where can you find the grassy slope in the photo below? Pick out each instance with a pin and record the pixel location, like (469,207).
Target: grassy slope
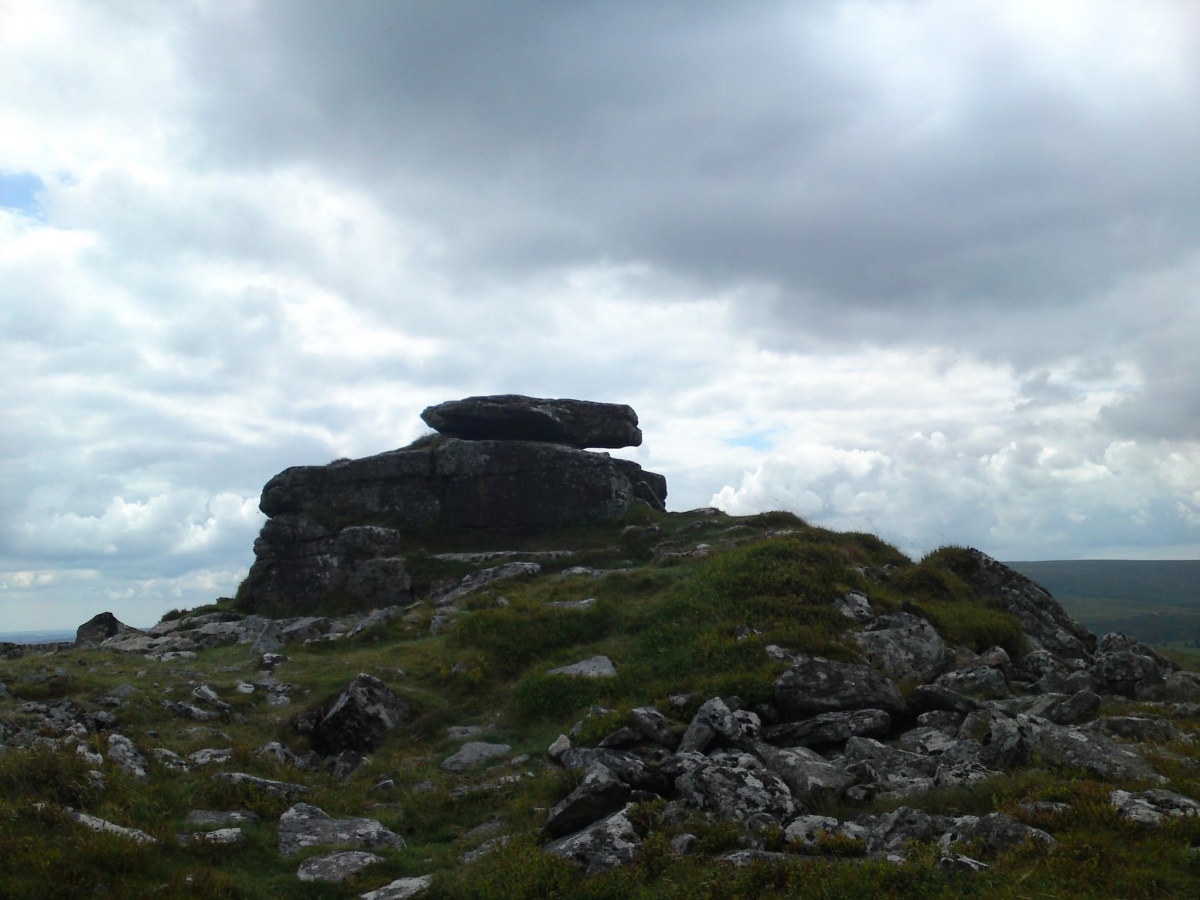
(671,624)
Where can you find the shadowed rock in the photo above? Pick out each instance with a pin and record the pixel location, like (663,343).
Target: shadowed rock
(512,417)
(363,713)
(100,628)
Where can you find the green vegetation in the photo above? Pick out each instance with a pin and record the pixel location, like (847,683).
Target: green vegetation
(676,622)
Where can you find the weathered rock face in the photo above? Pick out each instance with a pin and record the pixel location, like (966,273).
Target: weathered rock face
(324,539)
(512,417)
(300,562)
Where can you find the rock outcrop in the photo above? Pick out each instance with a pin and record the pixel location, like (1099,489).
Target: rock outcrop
(100,628)
(335,532)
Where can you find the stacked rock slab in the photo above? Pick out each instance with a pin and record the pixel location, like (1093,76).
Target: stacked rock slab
(503,462)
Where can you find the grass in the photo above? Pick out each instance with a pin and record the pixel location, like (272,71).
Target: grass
(672,624)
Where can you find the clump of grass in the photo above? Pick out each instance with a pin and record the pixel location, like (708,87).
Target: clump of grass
(937,589)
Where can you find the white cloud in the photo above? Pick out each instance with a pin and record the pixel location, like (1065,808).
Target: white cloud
(924,269)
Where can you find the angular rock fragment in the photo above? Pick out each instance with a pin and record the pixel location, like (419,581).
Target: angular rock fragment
(598,794)
(472,754)
(125,756)
(336,867)
(608,843)
(714,719)
(361,716)
(101,628)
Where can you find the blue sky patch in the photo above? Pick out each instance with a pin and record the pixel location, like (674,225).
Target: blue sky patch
(20,190)
(755,440)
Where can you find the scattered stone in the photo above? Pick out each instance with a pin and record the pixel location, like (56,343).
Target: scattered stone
(483,578)
(735,786)
(472,754)
(170,759)
(124,756)
(1152,808)
(714,719)
(561,745)
(596,667)
(805,832)
(209,757)
(400,889)
(97,824)
(995,833)
(336,867)
(284,789)
(303,826)
(830,728)
(221,837)
(854,606)
(205,817)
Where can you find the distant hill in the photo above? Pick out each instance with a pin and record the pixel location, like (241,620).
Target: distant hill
(1157,601)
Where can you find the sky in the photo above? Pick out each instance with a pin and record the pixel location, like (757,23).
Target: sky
(929,270)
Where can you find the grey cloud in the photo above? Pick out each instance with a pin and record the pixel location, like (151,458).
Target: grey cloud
(716,141)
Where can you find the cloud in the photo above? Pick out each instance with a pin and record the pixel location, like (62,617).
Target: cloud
(926,268)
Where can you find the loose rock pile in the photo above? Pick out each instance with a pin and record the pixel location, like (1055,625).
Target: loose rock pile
(971,717)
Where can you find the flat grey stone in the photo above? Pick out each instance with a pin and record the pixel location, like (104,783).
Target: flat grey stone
(336,867)
(472,754)
(400,889)
(596,667)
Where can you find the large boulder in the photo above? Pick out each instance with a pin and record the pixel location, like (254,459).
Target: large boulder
(361,716)
(905,647)
(512,417)
(100,628)
(814,685)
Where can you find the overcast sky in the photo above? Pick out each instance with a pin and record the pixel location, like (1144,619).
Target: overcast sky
(925,269)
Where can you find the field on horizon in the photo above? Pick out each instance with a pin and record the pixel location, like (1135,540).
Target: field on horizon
(1156,601)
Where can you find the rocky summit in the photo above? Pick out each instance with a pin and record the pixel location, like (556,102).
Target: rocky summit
(506,463)
(643,704)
